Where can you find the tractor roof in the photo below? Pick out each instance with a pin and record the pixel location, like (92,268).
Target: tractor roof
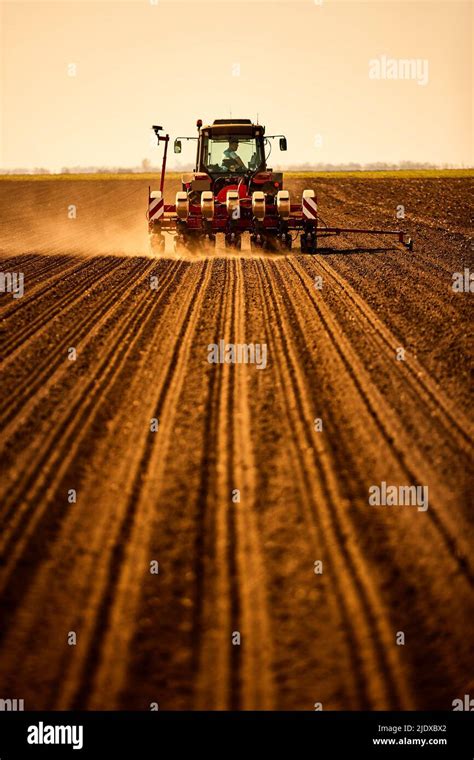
(233,126)
(230,120)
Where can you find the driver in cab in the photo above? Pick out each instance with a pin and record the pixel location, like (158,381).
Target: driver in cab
(231,160)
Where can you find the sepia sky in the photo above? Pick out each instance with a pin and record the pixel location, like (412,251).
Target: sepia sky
(301,66)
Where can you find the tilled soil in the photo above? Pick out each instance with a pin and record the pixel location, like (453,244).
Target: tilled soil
(220,473)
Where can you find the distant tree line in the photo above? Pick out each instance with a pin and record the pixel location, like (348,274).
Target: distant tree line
(146,167)
(372,167)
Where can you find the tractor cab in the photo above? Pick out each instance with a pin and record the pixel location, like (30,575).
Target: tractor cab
(231,148)
(231,154)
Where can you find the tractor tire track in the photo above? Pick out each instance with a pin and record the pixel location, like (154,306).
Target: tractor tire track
(426,391)
(257,678)
(52,459)
(107,657)
(35,293)
(54,365)
(87,574)
(385,684)
(40,324)
(218,683)
(238,606)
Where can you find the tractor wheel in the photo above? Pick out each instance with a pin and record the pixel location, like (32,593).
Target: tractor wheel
(257,242)
(271,243)
(185,243)
(208,243)
(233,240)
(285,242)
(308,242)
(188,242)
(157,242)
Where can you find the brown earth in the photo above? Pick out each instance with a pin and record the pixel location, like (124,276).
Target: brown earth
(229,566)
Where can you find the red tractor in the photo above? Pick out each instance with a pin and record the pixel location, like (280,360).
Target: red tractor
(232,191)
